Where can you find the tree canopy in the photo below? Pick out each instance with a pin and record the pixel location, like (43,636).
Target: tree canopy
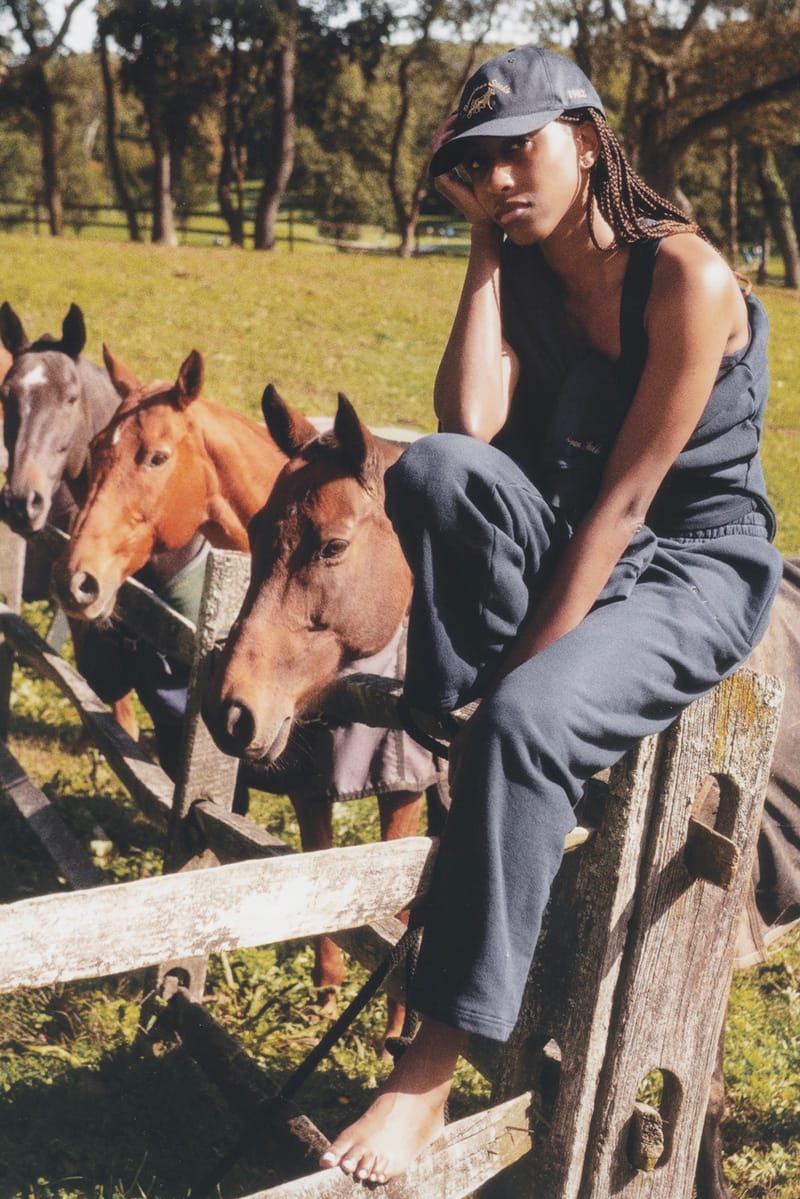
(243,99)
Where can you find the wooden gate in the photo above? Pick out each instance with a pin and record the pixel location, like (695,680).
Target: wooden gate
(631,975)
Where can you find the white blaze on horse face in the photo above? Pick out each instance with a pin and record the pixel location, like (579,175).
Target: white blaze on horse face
(35,376)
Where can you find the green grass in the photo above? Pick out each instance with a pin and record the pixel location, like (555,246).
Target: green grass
(314,322)
(84,1113)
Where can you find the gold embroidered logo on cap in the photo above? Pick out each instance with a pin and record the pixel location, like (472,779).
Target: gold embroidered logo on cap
(482,97)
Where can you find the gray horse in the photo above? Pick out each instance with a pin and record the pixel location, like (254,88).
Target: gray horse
(53,401)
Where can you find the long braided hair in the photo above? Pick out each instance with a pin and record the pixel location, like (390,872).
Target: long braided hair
(633,209)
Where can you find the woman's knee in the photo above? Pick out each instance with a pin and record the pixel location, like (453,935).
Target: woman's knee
(524,727)
(425,466)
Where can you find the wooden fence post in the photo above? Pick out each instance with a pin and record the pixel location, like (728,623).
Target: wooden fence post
(632,977)
(205,772)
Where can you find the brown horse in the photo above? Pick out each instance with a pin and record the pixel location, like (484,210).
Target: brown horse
(329,586)
(168,465)
(329,583)
(171,464)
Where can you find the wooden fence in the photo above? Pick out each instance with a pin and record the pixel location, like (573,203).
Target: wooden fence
(631,974)
(296,225)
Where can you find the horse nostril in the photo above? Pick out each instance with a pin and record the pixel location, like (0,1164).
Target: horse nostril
(35,503)
(239,723)
(84,587)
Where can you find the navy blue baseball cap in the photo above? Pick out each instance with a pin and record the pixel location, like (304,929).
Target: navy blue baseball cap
(515,93)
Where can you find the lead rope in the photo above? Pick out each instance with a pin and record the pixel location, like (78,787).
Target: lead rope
(268,1109)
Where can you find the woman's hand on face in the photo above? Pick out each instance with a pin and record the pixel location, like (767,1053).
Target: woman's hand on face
(454,185)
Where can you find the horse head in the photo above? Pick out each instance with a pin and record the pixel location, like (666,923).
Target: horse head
(329,583)
(53,401)
(146,489)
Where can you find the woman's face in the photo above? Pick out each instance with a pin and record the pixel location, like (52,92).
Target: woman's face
(531,185)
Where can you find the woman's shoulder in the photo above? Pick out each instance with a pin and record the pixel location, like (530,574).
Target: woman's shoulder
(691,275)
(686,260)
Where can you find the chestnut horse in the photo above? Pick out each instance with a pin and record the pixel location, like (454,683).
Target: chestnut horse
(171,464)
(53,403)
(329,583)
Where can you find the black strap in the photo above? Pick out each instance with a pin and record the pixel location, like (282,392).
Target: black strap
(635,294)
(439,749)
(268,1109)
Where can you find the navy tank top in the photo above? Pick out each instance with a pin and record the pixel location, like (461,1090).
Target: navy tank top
(570,403)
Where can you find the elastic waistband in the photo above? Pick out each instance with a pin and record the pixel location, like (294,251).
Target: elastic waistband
(754,524)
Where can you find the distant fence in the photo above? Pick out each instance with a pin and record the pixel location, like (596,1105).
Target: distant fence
(296,224)
(200,226)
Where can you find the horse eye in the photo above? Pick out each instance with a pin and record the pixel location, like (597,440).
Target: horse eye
(158,458)
(334,548)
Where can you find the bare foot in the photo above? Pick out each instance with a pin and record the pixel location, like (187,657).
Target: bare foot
(408,1114)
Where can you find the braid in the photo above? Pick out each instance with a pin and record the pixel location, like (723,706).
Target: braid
(633,209)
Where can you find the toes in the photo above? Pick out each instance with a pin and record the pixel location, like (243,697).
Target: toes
(348,1158)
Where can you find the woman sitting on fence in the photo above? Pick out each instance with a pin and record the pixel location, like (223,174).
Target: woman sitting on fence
(589,535)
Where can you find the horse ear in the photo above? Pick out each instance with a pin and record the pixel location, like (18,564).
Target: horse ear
(289,430)
(11,330)
(123,379)
(358,444)
(73,332)
(189,383)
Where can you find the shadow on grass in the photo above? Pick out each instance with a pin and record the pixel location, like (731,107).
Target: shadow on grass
(136,1125)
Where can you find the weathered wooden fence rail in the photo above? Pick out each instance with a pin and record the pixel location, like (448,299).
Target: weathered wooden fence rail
(631,974)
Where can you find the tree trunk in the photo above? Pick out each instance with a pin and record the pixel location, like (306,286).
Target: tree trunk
(407,213)
(285,123)
(49,143)
(163,209)
(230,195)
(230,192)
(766,253)
(779,214)
(115,166)
(733,202)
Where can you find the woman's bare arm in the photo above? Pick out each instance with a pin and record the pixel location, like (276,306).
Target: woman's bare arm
(478,370)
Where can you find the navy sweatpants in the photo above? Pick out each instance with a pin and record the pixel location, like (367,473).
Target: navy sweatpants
(676,616)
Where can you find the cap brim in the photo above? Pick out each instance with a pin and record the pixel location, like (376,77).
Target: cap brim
(456,148)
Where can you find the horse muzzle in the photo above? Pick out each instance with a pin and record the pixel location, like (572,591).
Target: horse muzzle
(24,511)
(233,726)
(81,594)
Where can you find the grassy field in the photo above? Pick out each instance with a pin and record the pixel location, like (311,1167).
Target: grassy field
(85,1113)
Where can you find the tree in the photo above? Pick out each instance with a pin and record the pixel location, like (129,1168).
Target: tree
(679,73)
(371,139)
(779,214)
(425,59)
(166,52)
(26,86)
(124,198)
